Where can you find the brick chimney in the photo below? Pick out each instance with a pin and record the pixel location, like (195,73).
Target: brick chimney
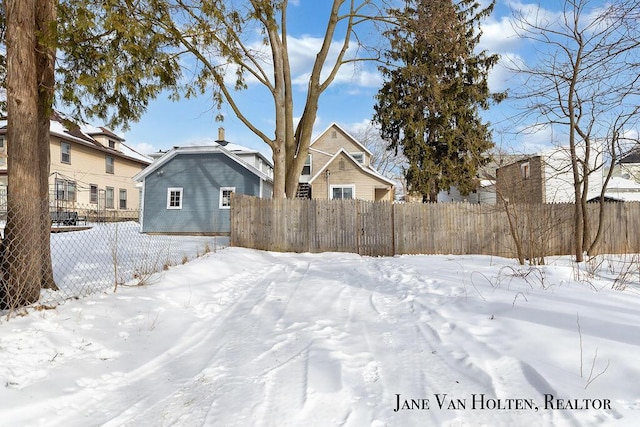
(221,139)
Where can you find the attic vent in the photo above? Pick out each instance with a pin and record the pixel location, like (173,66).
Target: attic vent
(341,164)
(334,134)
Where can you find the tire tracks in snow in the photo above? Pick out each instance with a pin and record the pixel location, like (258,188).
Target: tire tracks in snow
(185,365)
(232,368)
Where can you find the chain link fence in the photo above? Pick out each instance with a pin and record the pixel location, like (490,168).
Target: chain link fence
(89,253)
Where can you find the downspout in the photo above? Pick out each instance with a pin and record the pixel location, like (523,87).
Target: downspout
(141,215)
(327,174)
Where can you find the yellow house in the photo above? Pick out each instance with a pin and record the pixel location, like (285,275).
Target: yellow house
(91,171)
(339,167)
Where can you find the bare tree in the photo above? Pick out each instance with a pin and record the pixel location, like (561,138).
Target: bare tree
(585,82)
(220,38)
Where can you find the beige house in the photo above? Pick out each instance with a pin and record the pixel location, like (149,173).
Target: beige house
(339,167)
(92,169)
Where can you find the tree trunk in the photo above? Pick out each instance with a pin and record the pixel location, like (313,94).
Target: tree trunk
(45,56)
(279,169)
(21,253)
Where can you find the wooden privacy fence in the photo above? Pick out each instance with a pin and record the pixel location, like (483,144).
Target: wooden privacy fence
(385,229)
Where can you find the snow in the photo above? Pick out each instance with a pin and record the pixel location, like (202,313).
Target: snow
(623,189)
(241,337)
(130,152)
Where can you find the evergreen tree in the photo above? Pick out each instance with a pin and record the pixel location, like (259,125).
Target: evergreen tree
(108,66)
(434,85)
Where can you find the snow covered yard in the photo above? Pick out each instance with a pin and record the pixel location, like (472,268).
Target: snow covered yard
(243,337)
(96,259)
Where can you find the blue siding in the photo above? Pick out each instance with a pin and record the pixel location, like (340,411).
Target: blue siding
(200,176)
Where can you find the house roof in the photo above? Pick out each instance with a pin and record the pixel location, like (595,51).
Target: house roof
(93,130)
(239,149)
(367,170)
(632,157)
(204,149)
(622,190)
(65,129)
(347,134)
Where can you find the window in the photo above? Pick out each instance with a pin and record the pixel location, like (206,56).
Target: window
(359,157)
(525,170)
(109,168)
(109,198)
(174,198)
(93,193)
(123,199)
(65,190)
(65,152)
(112,144)
(306,169)
(343,191)
(225,197)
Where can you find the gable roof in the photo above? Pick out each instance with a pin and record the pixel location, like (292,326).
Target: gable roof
(204,149)
(100,130)
(367,170)
(334,125)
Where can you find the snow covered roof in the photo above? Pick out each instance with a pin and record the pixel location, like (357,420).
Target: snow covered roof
(92,130)
(625,190)
(203,149)
(619,183)
(64,128)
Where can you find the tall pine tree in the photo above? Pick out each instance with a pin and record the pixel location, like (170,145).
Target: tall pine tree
(435,84)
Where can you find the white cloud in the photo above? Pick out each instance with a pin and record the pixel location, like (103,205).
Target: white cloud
(144,148)
(503,76)
(499,36)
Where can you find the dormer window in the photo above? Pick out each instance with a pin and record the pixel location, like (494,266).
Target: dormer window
(359,157)
(112,144)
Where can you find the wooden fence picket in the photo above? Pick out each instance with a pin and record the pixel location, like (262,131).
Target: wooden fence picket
(384,229)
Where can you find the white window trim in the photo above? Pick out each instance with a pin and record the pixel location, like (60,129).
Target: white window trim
(178,190)
(310,158)
(354,154)
(525,170)
(352,186)
(62,153)
(223,189)
(62,192)
(97,194)
(113,198)
(126,198)
(106,165)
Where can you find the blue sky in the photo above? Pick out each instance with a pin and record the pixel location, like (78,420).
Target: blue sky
(349,101)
